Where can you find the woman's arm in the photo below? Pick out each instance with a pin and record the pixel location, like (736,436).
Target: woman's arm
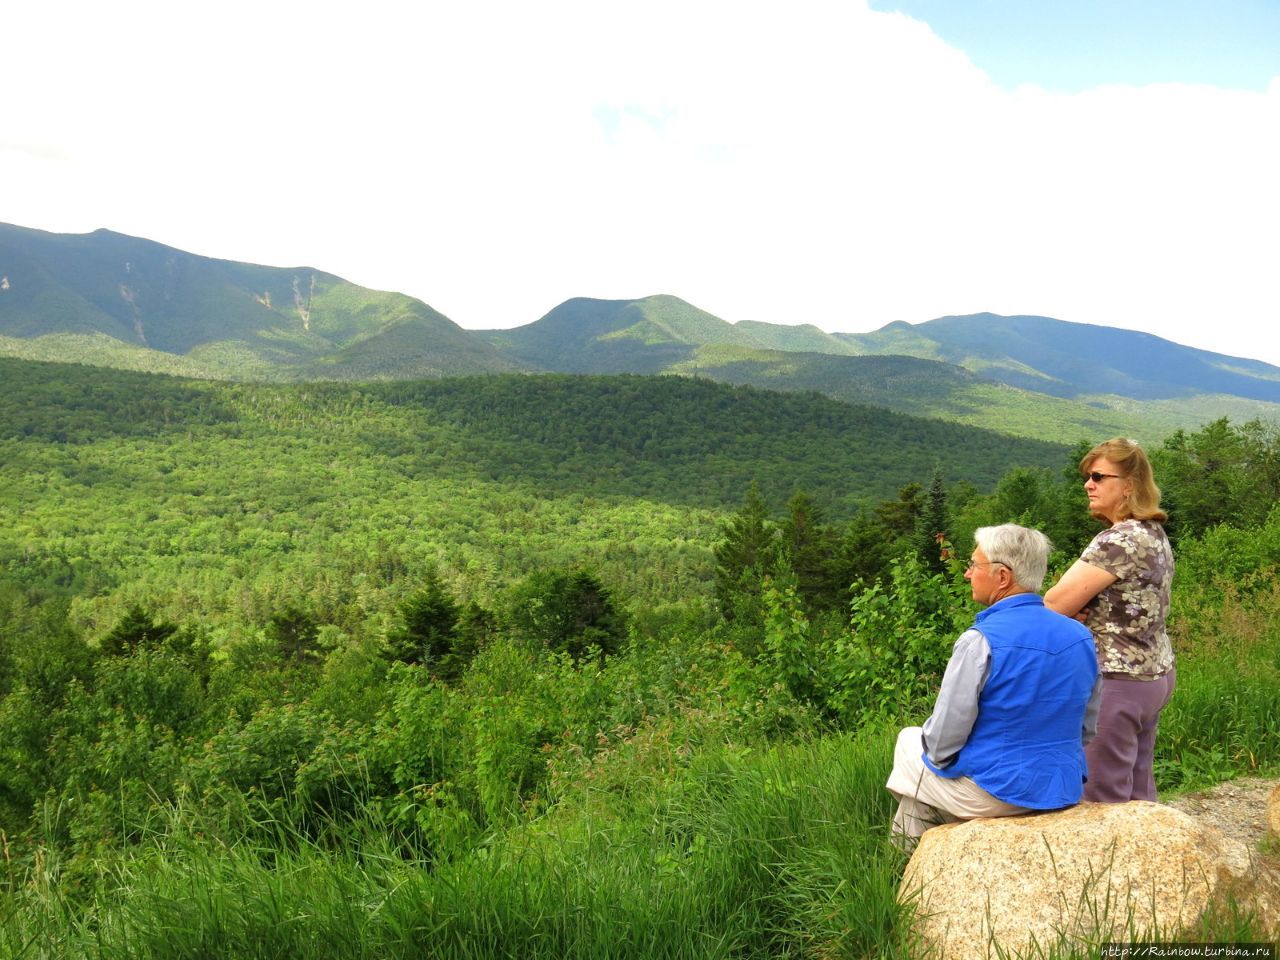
(1080,584)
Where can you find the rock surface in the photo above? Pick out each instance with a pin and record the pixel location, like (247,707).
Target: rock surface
(1093,872)
(1236,807)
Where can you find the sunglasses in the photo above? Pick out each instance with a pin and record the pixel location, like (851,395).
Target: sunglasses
(1097,477)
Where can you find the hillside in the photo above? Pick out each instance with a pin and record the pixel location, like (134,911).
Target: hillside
(106,296)
(111,300)
(411,666)
(584,335)
(672,439)
(979,370)
(233,489)
(1074,360)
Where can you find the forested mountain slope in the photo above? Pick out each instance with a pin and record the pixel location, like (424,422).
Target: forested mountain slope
(585,335)
(231,498)
(111,300)
(106,297)
(674,439)
(979,370)
(1074,359)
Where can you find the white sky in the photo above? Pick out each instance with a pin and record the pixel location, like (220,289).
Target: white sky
(808,162)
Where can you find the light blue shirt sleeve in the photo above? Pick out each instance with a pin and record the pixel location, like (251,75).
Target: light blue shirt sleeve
(956,709)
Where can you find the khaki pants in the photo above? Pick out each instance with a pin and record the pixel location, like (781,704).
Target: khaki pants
(926,799)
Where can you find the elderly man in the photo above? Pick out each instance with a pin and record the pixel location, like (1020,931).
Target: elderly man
(1018,701)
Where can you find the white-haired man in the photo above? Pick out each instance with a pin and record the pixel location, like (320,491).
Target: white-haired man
(1018,702)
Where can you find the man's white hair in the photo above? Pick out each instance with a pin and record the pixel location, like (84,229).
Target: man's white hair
(1024,551)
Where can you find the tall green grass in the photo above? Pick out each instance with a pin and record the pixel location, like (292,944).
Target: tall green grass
(745,853)
(1224,718)
(778,852)
(735,852)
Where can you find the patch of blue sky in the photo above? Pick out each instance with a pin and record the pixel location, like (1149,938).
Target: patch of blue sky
(1066,46)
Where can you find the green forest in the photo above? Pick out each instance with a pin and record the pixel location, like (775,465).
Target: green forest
(526,666)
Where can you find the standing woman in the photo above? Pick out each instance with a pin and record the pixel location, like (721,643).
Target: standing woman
(1120,588)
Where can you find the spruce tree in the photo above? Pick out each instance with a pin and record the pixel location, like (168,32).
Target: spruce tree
(934,526)
(746,554)
(811,547)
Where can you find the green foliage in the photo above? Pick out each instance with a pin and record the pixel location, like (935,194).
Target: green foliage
(1219,474)
(790,650)
(899,642)
(294,632)
(1222,720)
(48,663)
(136,630)
(481,479)
(235,764)
(1226,561)
(291,761)
(115,748)
(745,554)
(63,403)
(809,546)
(1052,502)
(428,631)
(867,548)
(701,442)
(900,517)
(414,746)
(567,611)
(173,312)
(177,312)
(1020,375)
(933,527)
(740,853)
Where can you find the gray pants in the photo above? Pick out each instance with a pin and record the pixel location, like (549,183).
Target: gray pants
(926,799)
(1120,756)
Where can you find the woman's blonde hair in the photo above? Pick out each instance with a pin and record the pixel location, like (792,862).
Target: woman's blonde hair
(1143,502)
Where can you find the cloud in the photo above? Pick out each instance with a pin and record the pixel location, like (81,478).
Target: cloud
(821,164)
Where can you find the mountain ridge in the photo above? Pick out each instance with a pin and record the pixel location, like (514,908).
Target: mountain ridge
(1034,375)
(108,299)
(230,317)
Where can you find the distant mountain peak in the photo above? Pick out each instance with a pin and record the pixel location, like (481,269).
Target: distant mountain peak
(1069,359)
(109,298)
(233,319)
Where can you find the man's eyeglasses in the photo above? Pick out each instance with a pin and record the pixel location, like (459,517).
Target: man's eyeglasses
(1097,477)
(983,563)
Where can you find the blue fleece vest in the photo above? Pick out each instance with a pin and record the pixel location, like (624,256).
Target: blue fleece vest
(1025,745)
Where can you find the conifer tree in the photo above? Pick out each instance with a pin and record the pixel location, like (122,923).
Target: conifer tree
(568,612)
(933,526)
(811,548)
(426,629)
(746,554)
(137,628)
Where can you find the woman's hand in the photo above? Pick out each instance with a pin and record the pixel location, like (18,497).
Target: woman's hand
(1080,584)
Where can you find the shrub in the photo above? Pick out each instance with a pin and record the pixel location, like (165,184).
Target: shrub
(899,641)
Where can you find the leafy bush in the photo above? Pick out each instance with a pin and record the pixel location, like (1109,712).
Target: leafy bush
(900,639)
(289,762)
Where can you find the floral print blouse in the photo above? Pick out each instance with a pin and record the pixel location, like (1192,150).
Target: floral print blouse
(1127,618)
